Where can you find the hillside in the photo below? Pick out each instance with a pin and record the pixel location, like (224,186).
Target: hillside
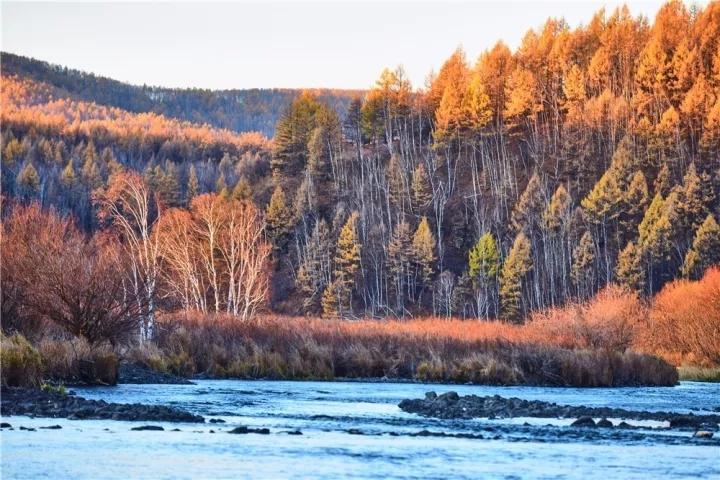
(237,110)
(513,183)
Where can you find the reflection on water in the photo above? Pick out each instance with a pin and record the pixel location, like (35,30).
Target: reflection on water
(355,430)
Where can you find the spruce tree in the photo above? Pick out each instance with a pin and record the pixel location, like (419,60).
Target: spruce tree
(516,266)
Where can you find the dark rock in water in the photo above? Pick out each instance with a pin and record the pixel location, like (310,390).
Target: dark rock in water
(703,434)
(624,425)
(216,420)
(151,428)
(293,432)
(211,431)
(452,406)
(245,430)
(355,431)
(28,429)
(137,373)
(686,421)
(52,427)
(5,425)
(605,423)
(583,422)
(176,430)
(38,403)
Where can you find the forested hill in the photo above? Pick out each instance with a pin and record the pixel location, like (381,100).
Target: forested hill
(248,110)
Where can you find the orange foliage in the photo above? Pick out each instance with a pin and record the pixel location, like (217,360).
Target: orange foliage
(28,104)
(684,324)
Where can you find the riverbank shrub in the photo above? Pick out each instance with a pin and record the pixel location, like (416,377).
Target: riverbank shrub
(20,361)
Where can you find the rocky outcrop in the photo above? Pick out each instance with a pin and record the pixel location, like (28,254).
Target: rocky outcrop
(38,403)
(450,406)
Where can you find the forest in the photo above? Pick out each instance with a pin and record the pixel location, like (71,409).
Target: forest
(569,189)
(247,110)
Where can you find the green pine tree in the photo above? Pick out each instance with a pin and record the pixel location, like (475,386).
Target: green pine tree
(705,250)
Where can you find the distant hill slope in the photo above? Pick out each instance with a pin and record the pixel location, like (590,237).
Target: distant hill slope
(238,110)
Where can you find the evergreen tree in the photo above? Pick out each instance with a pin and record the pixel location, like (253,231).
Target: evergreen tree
(424,250)
(483,268)
(582,272)
(278,218)
(28,181)
(67,177)
(516,266)
(629,271)
(635,201)
(705,250)
(242,190)
(528,211)
(330,303)
(557,213)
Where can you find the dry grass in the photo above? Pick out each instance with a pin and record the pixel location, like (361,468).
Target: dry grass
(431,349)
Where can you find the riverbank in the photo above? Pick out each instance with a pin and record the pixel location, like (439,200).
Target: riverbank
(52,404)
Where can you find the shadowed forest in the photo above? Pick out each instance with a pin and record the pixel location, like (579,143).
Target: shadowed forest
(566,193)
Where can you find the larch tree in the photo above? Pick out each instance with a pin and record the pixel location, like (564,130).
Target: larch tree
(483,268)
(347,264)
(705,251)
(423,246)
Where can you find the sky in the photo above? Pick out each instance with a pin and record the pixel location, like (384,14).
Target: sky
(275,45)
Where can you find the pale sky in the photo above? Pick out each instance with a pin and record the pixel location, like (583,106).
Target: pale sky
(294,45)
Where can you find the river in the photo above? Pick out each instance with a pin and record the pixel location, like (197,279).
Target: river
(356,430)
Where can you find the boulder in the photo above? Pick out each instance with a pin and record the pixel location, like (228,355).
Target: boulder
(703,434)
(152,428)
(605,423)
(245,430)
(584,422)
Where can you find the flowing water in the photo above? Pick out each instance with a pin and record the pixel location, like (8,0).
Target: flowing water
(354,429)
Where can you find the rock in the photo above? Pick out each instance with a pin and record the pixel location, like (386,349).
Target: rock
(153,428)
(5,425)
(452,406)
(217,420)
(355,431)
(703,434)
(583,422)
(293,432)
(449,397)
(176,430)
(624,424)
(245,430)
(38,403)
(605,423)
(52,427)
(28,429)
(137,373)
(684,422)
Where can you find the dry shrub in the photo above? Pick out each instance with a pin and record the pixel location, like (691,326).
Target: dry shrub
(609,321)
(20,361)
(427,349)
(74,359)
(684,325)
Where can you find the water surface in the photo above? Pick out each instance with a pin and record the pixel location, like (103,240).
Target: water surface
(331,415)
